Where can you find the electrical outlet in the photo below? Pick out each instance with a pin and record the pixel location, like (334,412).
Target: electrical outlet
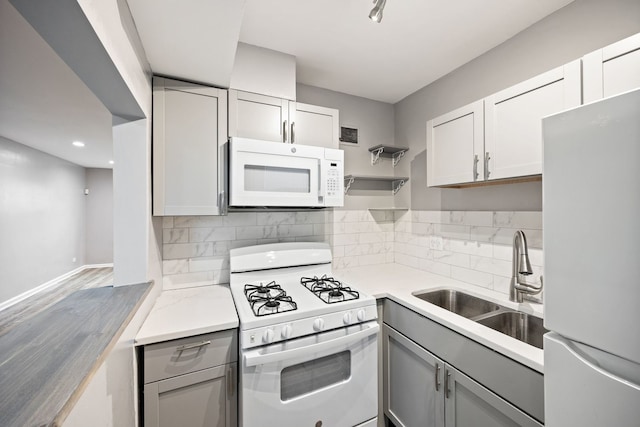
(435,242)
(73,259)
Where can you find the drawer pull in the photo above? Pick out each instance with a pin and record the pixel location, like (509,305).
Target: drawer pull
(194,345)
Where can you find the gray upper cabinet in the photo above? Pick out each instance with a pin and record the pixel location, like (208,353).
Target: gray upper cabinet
(268,118)
(189,143)
(455,146)
(315,125)
(612,70)
(256,116)
(499,137)
(513,120)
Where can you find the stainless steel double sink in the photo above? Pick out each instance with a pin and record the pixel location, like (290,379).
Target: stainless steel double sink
(518,325)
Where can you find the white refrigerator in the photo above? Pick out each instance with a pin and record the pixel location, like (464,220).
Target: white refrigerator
(591,226)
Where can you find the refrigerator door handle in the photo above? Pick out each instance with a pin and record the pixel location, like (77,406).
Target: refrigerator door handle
(610,366)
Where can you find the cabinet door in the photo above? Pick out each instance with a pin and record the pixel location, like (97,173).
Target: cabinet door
(468,404)
(612,70)
(412,383)
(455,144)
(314,125)
(258,116)
(513,126)
(202,398)
(189,136)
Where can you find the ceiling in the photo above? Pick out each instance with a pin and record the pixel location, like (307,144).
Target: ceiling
(335,44)
(44,104)
(337,47)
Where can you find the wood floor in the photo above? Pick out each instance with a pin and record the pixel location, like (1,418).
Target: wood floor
(26,309)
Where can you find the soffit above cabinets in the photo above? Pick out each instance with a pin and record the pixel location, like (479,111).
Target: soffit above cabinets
(193,40)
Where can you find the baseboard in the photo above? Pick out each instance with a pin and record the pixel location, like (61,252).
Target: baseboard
(23,296)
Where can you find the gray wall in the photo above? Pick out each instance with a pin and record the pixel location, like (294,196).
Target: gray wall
(99,213)
(42,218)
(374,121)
(578,28)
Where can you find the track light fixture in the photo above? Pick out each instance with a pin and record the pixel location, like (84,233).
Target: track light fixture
(376,13)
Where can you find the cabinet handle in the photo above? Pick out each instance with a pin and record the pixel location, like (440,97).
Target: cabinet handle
(230,387)
(284,131)
(446,383)
(293,132)
(222,203)
(487,157)
(194,345)
(476,159)
(437,376)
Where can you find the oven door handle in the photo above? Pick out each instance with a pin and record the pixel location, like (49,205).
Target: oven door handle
(254,359)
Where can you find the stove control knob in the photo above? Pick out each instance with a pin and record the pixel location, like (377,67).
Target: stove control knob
(318,324)
(267,337)
(287,331)
(347,318)
(361,315)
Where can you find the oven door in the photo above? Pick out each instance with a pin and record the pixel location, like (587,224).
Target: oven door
(264,173)
(328,379)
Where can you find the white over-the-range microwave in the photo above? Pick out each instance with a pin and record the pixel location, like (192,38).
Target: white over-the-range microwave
(275,174)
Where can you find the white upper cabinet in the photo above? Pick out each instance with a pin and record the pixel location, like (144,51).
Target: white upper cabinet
(612,70)
(455,146)
(513,127)
(258,116)
(314,125)
(268,118)
(189,136)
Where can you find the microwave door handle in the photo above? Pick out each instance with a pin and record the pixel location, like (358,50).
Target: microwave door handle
(254,358)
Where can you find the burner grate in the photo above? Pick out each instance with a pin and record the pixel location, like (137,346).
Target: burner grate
(268,299)
(329,289)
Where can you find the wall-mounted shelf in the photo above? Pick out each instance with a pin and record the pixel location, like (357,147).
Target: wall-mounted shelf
(396,153)
(396,181)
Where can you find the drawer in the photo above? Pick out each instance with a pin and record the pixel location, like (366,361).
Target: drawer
(177,357)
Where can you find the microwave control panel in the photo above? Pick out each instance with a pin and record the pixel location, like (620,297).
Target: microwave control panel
(334,182)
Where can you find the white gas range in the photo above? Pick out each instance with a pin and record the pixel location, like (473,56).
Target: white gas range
(308,343)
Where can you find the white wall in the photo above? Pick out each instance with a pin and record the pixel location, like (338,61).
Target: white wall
(42,218)
(374,121)
(99,214)
(579,28)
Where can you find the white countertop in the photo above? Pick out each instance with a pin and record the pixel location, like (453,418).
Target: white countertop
(398,283)
(180,313)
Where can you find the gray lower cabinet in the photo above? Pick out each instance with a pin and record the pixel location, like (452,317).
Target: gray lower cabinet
(413,393)
(191,382)
(423,388)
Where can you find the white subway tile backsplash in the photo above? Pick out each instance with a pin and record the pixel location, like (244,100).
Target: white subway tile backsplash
(276,218)
(476,246)
(186,250)
(197,221)
(452,231)
(451,258)
(472,276)
(211,234)
(175,235)
(240,219)
(517,220)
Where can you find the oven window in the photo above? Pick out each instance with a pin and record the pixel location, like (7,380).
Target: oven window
(276,180)
(309,376)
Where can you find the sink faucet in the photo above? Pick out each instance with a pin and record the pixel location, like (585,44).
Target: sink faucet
(521,267)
